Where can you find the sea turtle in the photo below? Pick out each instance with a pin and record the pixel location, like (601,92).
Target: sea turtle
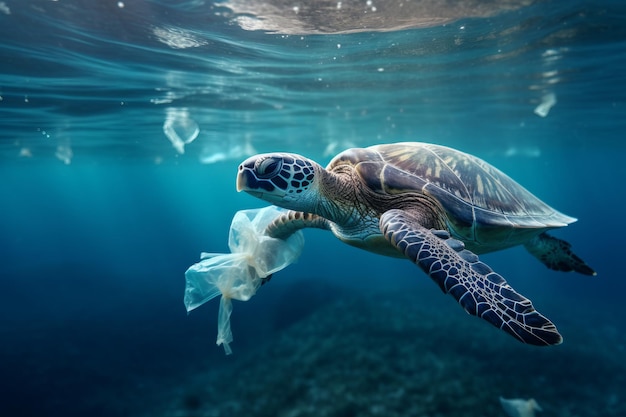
(434,205)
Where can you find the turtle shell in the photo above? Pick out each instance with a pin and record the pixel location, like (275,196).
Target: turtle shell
(478,199)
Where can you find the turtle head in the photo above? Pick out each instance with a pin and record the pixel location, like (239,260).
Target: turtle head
(284,179)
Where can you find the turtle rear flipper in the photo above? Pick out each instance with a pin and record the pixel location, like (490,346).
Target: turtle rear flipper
(557,254)
(480,291)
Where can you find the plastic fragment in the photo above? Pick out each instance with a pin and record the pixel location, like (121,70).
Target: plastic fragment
(238,275)
(180,128)
(547,102)
(518,407)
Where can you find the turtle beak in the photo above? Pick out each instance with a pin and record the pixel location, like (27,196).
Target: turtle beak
(246,179)
(241,180)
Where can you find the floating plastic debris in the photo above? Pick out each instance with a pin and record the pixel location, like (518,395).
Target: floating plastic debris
(525,151)
(25,153)
(216,152)
(547,102)
(64,153)
(517,407)
(180,129)
(4,8)
(239,274)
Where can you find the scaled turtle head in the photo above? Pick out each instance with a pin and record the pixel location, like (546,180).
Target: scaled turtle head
(284,179)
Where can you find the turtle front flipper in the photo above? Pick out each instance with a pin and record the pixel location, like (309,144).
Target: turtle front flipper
(480,291)
(290,221)
(557,254)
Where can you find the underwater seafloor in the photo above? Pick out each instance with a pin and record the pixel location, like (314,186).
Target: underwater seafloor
(386,354)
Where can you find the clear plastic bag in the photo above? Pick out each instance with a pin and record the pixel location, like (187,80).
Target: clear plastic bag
(239,274)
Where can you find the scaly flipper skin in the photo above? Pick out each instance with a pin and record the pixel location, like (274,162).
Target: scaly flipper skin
(291,221)
(557,254)
(480,291)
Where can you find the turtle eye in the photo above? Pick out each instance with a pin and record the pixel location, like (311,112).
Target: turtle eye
(269,167)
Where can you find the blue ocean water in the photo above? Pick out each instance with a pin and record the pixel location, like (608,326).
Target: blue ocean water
(122,127)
